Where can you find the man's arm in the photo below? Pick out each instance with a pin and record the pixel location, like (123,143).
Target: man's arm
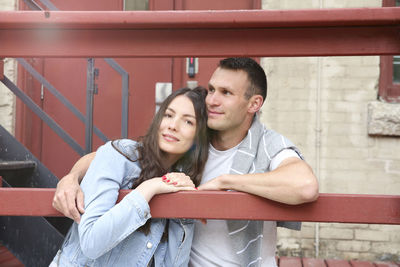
(292,182)
(68,198)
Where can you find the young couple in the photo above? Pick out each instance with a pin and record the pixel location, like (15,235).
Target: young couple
(236,152)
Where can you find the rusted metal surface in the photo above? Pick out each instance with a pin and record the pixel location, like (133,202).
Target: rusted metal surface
(337,263)
(356,263)
(7,259)
(329,32)
(382,209)
(290,262)
(312,262)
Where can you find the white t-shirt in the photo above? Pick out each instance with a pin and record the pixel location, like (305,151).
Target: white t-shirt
(211,243)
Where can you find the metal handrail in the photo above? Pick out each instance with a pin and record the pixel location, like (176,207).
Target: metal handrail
(125,95)
(88,120)
(43,115)
(58,95)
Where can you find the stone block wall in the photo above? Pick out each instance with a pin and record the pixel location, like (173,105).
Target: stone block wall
(321,104)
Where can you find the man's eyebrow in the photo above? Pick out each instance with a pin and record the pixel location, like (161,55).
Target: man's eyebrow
(224,88)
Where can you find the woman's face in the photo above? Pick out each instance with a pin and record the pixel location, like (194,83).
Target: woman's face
(178,127)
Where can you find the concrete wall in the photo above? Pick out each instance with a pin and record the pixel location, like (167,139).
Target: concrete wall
(321,104)
(7,99)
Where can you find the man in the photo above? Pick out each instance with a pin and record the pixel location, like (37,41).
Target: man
(244,156)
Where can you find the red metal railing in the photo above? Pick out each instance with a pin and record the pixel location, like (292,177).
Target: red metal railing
(342,208)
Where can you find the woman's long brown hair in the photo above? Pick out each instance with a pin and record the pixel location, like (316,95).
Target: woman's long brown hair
(192,162)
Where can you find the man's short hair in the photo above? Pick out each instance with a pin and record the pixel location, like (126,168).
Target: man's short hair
(255,74)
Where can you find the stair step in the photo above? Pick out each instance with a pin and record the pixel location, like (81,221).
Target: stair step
(17,164)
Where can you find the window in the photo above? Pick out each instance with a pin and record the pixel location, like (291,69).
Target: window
(389,81)
(396,69)
(136,5)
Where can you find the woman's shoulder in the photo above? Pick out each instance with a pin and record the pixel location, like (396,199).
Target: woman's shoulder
(126,147)
(125,143)
(119,157)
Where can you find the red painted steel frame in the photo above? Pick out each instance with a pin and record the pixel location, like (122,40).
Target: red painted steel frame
(343,208)
(328,32)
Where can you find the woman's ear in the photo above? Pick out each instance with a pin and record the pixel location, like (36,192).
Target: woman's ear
(255,103)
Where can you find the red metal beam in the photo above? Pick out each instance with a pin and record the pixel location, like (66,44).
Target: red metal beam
(328,32)
(200,19)
(343,208)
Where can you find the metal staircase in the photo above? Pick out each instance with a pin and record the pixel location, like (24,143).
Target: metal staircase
(33,240)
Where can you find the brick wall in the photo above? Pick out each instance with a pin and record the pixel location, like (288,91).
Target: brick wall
(321,105)
(7,99)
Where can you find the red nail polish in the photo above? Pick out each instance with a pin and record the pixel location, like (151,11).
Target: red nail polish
(168,181)
(164,177)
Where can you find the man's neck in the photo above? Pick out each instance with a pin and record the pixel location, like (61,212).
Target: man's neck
(224,140)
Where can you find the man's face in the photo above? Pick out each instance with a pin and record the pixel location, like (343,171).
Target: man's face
(226,104)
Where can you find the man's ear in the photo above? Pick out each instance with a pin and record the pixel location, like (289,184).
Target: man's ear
(255,103)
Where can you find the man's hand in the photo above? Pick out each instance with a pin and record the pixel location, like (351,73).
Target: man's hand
(68,198)
(293,183)
(215,183)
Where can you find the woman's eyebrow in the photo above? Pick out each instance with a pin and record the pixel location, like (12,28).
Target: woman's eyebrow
(185,115)
(189,115)
(171,109)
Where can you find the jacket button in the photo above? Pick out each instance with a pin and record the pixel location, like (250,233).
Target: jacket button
(149,245)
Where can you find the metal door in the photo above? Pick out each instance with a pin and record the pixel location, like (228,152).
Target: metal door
(69,76)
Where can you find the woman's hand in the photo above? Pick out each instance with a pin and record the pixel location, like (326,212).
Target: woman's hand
(178,179)
(155,186)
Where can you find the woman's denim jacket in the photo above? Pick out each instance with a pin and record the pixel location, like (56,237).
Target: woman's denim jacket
(107,234)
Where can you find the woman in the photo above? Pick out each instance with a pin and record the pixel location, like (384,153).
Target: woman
(123,234)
